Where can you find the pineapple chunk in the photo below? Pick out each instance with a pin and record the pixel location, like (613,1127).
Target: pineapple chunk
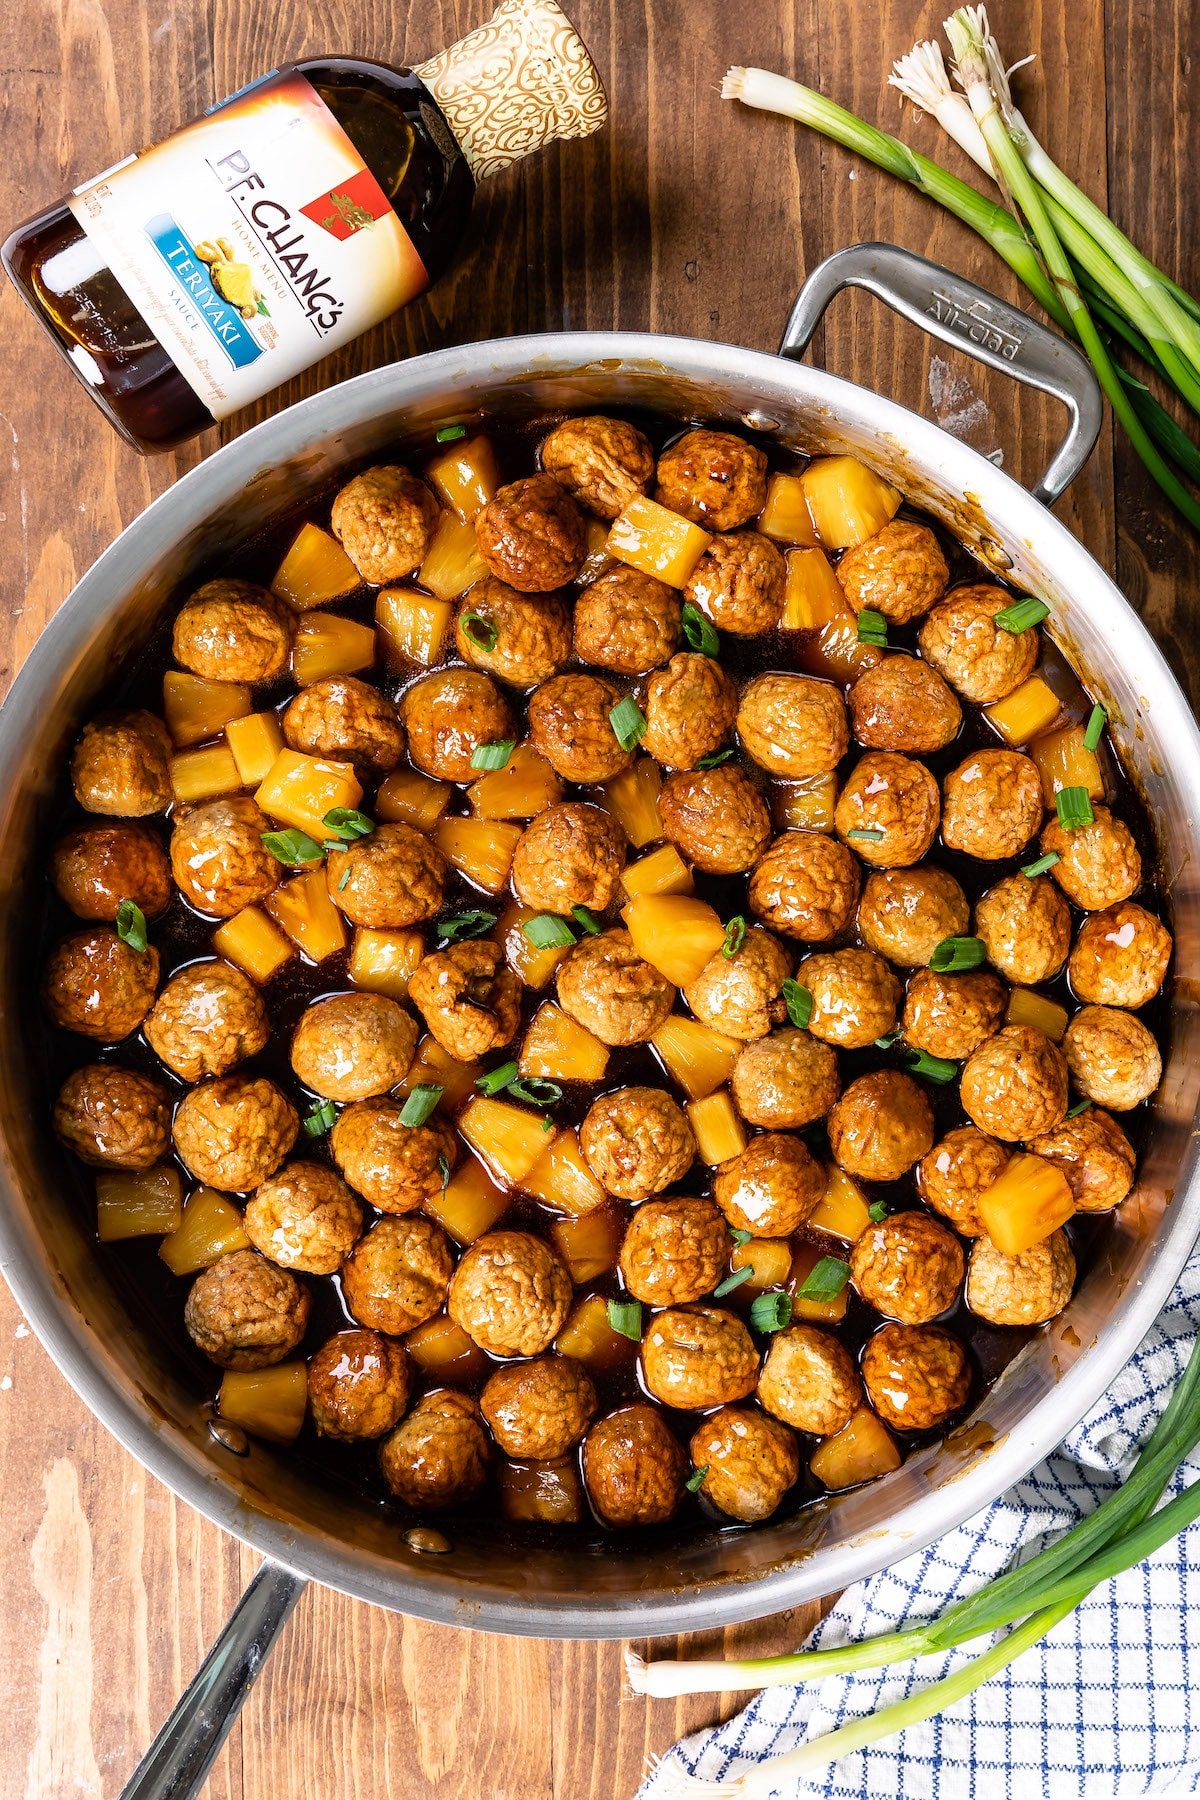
(251,941)
(315,570)
(510,1139)
(815,1312)
(302,908)
(657,541)
(663,871)
(546,1493)
(435,1067)
(534,967)
(674,933)
(591,1340)
(469,1204)
(465,475)
(255,740)
(813,595)
(1025,1007)
(480,849)
(413,624)
(699,1058)
(785,517)
(632,799)
(407,798)
(847,502)
(769,1258)
(327,644)
(597,558)
(861,1451)
(196,709)
(1027,1202)
(452,562)
(211,1226)
(382,961)
(806,805)
(835,653)
(561,1178)
(718,1131)
(590,1244)
(268,1403)
(1064,761)
(300,790)
(558,1049)
(203,774)
(842,1208)
(1026,713)
(137,1202)
(523,787)
(443,1351)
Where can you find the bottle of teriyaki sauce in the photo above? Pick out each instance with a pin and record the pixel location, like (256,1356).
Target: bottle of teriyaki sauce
(191,279)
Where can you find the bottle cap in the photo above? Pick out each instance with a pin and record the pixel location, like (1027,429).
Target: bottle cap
(517,83)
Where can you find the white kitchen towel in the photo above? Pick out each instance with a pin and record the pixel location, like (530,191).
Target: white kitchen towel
(1106,1707)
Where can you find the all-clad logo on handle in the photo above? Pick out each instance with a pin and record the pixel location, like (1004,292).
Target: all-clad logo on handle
(975,323)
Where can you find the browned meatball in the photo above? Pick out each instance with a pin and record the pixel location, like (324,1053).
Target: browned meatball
(531,534)
(749,1462)
(634,1467)
(234,1132)
(951,1015)
(348,720)
(233,631)
(532,632)
(908,1267)
(569,725)
(694,1357)
(469,999)
(806,886)
(951,1176)
(601,462)
(674,1251)
(1120,956)
(905,914)
(1020,1290)
(793,725)
(903,704)
(1094,1154)
(690,708)
(900,572)
(305,1217)
(351,1046)
(447,715)
(771,1187)
(121,765)
(510,1293)
(627,622)
(244,1312)
(113,1118)
(888,810)
(916,1376)
(384,520)
(570,855)
(93,870)
(358,1385)
(977,656)
(739,584)
(96,985)
(855,996)
(393,878)
(218,857)
(637,1141)
(1015,1085)
(992,804)
(397,1276)
(1025,926)
(539,1409)
(713,478)
(437,1456)
(394,1166)
(1114,1059)
(786,1080)
(716,818)
(606,987)
(207,1019)
(1098,864)
(741,994)
(809,1381)
(881,1126)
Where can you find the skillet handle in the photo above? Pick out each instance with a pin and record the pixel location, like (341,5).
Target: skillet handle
(968,318)
(178,1761)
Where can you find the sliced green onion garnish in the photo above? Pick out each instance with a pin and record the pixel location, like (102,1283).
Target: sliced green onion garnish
(740,1237)
(877,1212)
(771,1311)
(799,1003)
(536,1091)
(694,1482)
(1080,1106)
(131,925)
(464,925)
(825,1280)
(444,1170)
(348,824)
(586,920)
(872,628)
(494,755)
(1041,866)
(480,631)
(292,848)
(733,1281)
(344,877)
(321,1119)
(1074,808)
(735,936)
(628,722)
(421,1104)
(954,954)
(625,1316)
(715,758)
(1094,729)
(496,1080)
(545,932)
(450,434)
(867,835)
(934,1068)
(699,633)
(888,1040)
(1021,615)
(547,1124)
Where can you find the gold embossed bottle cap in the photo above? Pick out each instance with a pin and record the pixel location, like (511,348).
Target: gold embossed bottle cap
(517,83)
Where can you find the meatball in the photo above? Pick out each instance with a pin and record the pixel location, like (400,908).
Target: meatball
(469,999)
(358,1385)
(384,520)
(113,1118)
(1025,926)
(570,855)
(1096,1157)
(1098,864)
(855,997)
(713,478)
(603,463)
(739,584)
(694,1357)
(674,1251)
(809,1380)
(351,1046)
(992,804)
(916,1376)
(606,987)
(93,870)
(786,1080)
(771,1187)
(96,985)
(951,1015)
(218,857)
(952,1176)
(510,1293)
(208,1018)
(531,534)
(905,914)
(437,1456)
(233,631)
(448,715)
(627,622)
(634,1467)
(1114,1059)
(637,1141)
(234,1132)
(888,810)
(1020,1290)
(569,725)
(532,634)
(121,766)
(978,657)
(903,704)
(1015,1085)
(908,1267)
(881,1126)
(244,1312)
(741,994)
(393,1165)
(806,886)
(749,1462)
(900,572)
(397,1276)
(1120,956)
(716,818)
(539,1409)
(393,878)
(304,1218)
(347,720)
(690,708)
(793,725)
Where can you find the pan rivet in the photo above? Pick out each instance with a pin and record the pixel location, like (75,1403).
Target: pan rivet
(230,1437)
(994,554)
(427,1542)
(760,421)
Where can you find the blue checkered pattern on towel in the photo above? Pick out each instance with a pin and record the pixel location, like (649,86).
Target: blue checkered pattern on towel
(1106,1707)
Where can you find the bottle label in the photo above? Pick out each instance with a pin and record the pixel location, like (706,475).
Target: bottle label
(253,242)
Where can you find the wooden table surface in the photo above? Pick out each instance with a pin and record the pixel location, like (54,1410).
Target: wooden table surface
(688,216)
